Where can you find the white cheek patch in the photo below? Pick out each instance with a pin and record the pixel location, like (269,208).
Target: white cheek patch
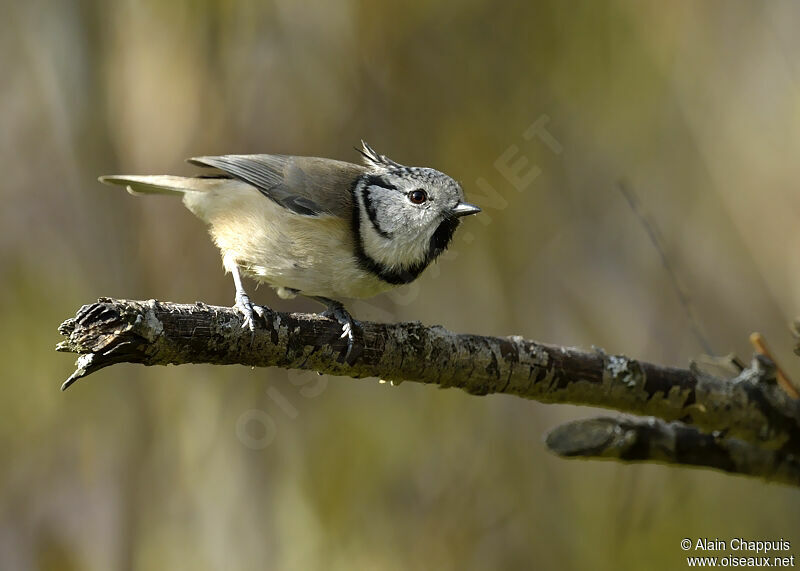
(378,205)
(393,234)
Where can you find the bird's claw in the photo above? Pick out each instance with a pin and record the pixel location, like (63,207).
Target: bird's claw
(246,308)
(340,314)
(347,331)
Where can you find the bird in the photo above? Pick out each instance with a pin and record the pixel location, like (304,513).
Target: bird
(322,228)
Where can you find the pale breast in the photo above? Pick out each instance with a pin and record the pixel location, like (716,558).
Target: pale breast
(312,254)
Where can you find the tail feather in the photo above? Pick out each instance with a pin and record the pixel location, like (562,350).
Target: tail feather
(157,184)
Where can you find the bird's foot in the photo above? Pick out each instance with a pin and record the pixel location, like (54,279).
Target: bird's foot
(337,312)
(247,309)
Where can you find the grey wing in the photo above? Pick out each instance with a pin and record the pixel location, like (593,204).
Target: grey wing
(305,185)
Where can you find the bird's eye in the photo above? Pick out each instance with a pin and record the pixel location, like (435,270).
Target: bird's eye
(418,196)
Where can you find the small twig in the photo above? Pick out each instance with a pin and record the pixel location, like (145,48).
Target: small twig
(683,296)
(760,345)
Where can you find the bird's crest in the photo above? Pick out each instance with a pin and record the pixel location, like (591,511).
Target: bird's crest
(372,158)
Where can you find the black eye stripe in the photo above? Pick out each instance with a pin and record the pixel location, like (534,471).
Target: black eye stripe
(375,180)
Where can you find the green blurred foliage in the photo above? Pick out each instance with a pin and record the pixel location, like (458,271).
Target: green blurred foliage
(695,104)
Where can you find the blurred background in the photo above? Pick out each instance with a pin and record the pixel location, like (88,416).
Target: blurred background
(694,105)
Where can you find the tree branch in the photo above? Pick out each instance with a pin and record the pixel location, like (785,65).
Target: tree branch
(653,440)
(748,408)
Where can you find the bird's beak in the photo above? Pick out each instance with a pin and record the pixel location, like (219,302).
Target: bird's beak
(465,209)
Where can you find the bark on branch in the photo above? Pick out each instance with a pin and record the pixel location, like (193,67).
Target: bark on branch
(749,409)
(653,440)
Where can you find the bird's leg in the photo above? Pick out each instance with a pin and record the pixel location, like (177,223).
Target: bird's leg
(243,303)
(335,310)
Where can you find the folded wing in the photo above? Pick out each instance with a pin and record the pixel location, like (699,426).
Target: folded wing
(307,186)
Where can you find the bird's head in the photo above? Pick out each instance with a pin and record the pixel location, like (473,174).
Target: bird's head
(406,216)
